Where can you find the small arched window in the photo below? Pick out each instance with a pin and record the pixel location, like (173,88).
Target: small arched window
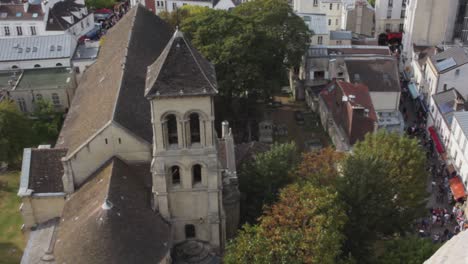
(172,130)
(38,97)
(189,231)
(37,65)
(59,64)
(14,67)
(194,128)
(175,175)
(197,174)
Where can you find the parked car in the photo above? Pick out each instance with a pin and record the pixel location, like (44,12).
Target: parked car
(299,116)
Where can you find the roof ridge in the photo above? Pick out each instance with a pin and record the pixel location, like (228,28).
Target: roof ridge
(124,62)
(163,57)
(196,61)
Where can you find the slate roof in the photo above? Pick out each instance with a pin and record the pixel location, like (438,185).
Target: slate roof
(378,74)
(61,9)
(462,119)
(112,89)
(37,47)
(46,170)
(180,70)
(11,11)
(455,57)
(350,114)
(341,35)
(448,102)
(109,220)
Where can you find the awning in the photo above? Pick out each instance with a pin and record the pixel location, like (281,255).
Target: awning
(436,140)
(457,187)
(413,90)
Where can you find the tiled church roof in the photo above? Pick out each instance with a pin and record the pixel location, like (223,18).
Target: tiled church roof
(180,70)
(46,170)
(109,220)
(112,89)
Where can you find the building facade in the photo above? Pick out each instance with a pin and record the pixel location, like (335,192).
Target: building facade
(28,87)
(359,18)
(333,10)
(390,15)
(428,23)
(457,147)
(21,19)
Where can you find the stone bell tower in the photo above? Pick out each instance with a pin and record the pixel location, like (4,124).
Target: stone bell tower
(187,183)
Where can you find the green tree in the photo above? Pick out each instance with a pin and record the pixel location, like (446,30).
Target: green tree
(406,163)
(372,2)
(383,186)
(304,226)
(261,179)
(251,47)
(15,133)
(47,123)
(364,190)
(232,44)
(408,250)
(277,19)
(321,167)
(176,18)
(97,4)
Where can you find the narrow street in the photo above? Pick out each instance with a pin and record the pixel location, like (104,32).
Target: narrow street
(441,221)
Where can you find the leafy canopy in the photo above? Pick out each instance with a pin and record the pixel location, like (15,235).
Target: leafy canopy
(409,250)
(252,47)
(383,186)
(15,132)
(261,179)
(47,122)
(304,226)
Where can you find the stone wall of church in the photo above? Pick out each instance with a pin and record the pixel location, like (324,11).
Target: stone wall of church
(186,203)
(111,141)
(37,209)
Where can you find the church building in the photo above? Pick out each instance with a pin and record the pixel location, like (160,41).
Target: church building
(138,174)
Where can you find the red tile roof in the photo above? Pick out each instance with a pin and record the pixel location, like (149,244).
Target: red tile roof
(350,114)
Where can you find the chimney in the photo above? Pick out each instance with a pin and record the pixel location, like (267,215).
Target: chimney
(230,149)
(224,129)
(459,104)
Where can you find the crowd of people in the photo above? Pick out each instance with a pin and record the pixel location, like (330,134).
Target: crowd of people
(446,218)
